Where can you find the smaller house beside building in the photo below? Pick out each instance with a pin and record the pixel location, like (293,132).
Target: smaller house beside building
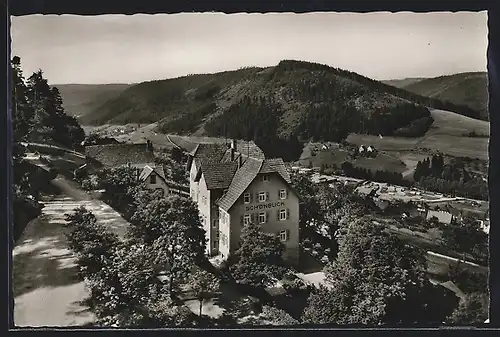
(155,179)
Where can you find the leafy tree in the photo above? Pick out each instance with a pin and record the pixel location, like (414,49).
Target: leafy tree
(258,259)
(277,316)
(91,241)
(472,310)
(177,155)
(172,226)
(376,279)
(120,185)
(204,284)
(466,237)
(467,281)
(309,207)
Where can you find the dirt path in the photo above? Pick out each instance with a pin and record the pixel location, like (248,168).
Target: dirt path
(47,290)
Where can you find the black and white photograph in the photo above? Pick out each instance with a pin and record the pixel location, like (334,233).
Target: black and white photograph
(250,170)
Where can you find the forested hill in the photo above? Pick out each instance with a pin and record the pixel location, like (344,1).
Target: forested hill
(80,99)
(469,89)
(291,100)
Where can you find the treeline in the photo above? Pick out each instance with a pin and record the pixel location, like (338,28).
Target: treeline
(381,176)
(289,65)
(453,178)
(257,119)
(37,116)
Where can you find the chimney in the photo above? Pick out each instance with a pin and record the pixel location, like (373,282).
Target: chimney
(232,153)
(233,144)
(240,161)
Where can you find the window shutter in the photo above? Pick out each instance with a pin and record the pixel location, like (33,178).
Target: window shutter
(278,214)
(267,196)
(251,197)
(252,218)
(257,196)
(279,194)
(267,217)
(286,194)
(287,235)
(241,220)
(287,213)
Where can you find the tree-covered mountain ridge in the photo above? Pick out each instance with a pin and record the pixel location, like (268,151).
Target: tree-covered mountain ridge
(292,99)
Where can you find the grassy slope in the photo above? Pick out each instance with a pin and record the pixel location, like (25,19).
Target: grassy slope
(81,99)
(398,154)
(446,135)
(468,89)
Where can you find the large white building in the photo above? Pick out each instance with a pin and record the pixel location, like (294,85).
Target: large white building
(234,185)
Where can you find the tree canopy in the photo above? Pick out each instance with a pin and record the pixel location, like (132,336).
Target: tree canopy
(376,279)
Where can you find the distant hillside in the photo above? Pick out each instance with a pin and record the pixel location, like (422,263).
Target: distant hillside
(289,102)
(80,99)
(469,89)
(402,83)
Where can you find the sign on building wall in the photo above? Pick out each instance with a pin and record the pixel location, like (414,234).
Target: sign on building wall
(264,206)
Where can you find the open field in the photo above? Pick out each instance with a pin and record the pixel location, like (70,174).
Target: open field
(448,134)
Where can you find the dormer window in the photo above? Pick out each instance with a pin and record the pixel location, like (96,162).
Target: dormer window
(265,178)
(152,179)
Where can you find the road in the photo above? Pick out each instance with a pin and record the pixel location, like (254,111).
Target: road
(47,291)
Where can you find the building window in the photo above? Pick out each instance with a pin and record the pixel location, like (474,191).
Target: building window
(283,235)
(214,244)
(283,214)
(152,179)
(192,193)
(204,200)
(246,219)
(265,178)
(246,198)
(282,194)
(262,217)
(262,196)
(214,223)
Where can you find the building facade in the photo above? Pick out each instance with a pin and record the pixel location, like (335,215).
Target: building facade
(236,185)
(154,179)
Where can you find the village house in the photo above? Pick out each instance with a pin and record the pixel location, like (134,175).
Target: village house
(154,179)
(235,185)
(443,217)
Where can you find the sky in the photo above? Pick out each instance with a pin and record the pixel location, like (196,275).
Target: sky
(136,48)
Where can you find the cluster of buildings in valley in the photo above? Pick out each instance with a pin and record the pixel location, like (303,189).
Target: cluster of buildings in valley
(426,204)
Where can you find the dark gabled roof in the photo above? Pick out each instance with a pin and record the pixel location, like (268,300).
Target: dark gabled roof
(209,153)
(146,172)
(120,154)
(219,175)
(276,165)
(245,149)
(241,180)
